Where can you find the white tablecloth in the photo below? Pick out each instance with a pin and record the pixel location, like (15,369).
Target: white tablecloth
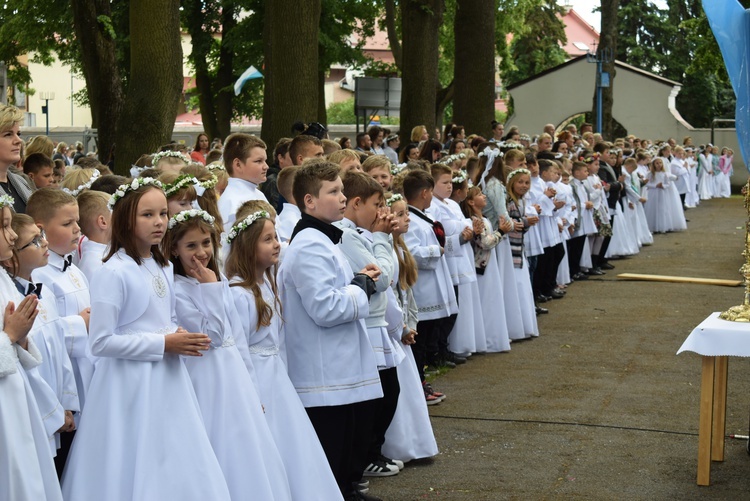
(715,337)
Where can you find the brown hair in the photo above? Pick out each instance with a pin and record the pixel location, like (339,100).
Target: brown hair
(285,181)
(209,201)
(18,222)
(91,204)
(241,263)
(309,179)
(123,226)
(437,170)
(35,162)
(238,146)
(187,192)
(298,145)
(415,181)
(174,235)
(359,184)
(470,195)
(376,162)
(44,202)
(407,266)
(329,146)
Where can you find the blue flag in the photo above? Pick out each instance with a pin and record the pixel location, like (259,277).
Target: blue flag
(249,74)
(730,23)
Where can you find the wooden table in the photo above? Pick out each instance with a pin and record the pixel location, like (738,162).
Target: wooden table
(716,340)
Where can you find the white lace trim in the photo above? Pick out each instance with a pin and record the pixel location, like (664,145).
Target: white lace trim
(264,351)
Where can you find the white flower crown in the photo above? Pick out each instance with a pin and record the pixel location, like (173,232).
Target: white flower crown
(396,197)
(517,172)
(6,201)
(490,152)
(459,178)
(210,183)
(244,224)
(163,154)
(186,215)
(452,158)
(217,165)
(524,137)
(179,183)
(123,189)
(84,186)
(397,168)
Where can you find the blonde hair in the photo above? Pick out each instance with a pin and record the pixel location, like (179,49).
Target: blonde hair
(45,202)
(9,116)
(407,265)
(376,162)
(40,144)
(416,133)
(76,177)
(91,205)
(339,156)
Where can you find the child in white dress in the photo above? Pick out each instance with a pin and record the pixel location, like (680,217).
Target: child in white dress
(661,210)
(27,472)
(142,435)
(410,434)
(227,396)
(251,264)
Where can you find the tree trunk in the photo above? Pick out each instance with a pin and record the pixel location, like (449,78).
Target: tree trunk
(390,26)
(100,69)
(421,22)
(608,45)
(322,111)
(201,41)
(474,27)
(291,57)
(155,84)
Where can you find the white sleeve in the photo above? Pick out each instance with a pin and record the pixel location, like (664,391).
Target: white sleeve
(108,296)
(427,257)
(315,279)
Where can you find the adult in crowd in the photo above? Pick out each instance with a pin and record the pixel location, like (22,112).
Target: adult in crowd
(10,153)
(201,149)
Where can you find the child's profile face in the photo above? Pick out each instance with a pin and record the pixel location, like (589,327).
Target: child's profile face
(383,176)
(443,186)
(253,168)
(330,203)
(267,249)
(517,163)
(480,201)
(369,209)
(9,236)
(31,256)
(593,167)
(194,247)
(176,206)
(533,168)
(43,178)
(580,173)
(62,229)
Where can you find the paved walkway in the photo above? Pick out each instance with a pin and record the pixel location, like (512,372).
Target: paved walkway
(599,406)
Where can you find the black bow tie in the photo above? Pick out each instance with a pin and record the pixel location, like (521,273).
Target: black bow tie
(35,289)
(67,261)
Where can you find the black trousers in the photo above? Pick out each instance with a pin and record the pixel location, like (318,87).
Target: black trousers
(425,347)
(545,276)
(575,251)
(345,432)
(385,411)
(66,440)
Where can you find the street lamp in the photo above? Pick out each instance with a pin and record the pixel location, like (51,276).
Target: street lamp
(47,96)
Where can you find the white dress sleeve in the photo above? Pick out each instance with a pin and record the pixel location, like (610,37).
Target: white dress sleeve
(108,295)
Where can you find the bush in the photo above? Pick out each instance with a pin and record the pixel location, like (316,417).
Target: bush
(343,113)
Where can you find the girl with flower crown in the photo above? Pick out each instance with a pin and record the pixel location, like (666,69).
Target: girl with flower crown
(142,435)
(251,264)
(491,179)
(519,184)
(226,393)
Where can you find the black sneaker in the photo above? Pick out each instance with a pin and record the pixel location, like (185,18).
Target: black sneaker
(380,468)
(396,462)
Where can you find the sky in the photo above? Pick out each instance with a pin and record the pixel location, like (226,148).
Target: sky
(584,8)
